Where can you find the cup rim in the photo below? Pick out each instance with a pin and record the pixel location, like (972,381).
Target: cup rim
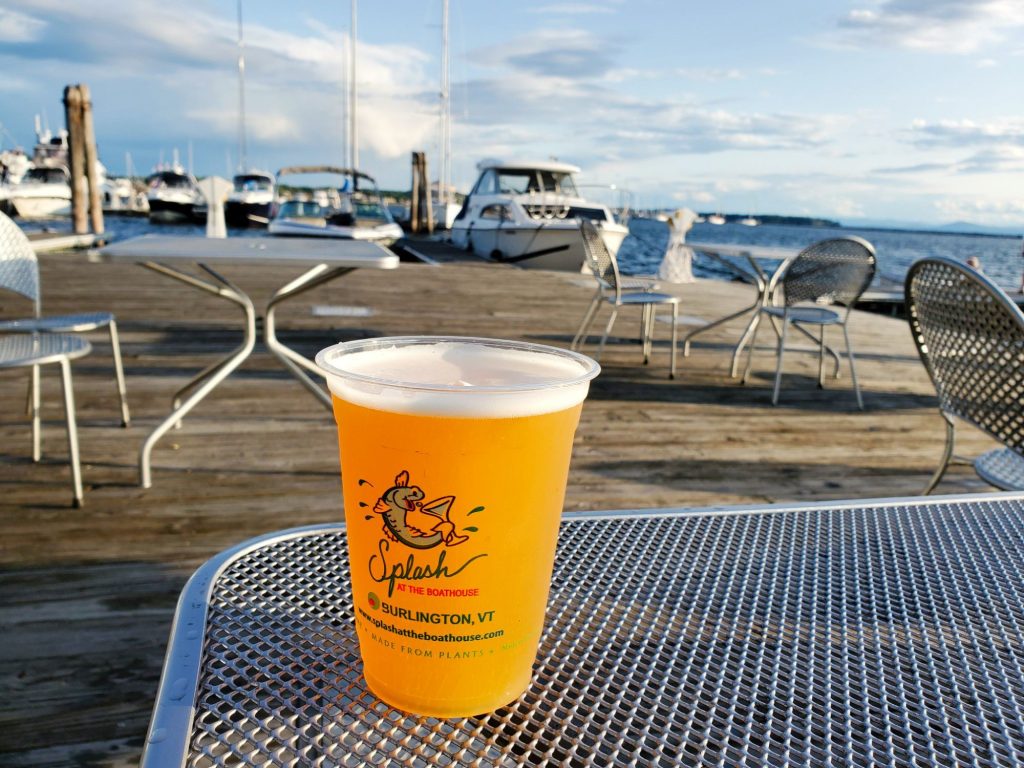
(590,367)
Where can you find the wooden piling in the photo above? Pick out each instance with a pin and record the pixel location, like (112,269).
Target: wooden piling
(92,162)
(421,216)
(76,156)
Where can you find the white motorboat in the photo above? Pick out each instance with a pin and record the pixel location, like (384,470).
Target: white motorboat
(44,192)
(173,195)
(251,201)
(351,209)
(527,214)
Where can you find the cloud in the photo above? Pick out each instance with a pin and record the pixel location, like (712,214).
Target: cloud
(944,26)
(965,133)
(18,27)
(983,210)
(575,54)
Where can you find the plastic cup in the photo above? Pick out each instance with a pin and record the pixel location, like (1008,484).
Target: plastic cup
(454,458)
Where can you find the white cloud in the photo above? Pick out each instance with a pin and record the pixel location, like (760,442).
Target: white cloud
(982,210)
(16,27)
(963,133)
(945,26)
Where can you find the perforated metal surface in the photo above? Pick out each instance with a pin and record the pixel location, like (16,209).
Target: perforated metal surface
(19,271)
(85,321)
(40,349)
(970,336)
(1002,468)
(832,271)
(886,635)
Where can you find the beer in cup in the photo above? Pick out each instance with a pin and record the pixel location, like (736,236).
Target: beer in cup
(454,458)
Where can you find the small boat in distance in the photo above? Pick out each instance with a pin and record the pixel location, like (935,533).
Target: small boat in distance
(44,192)
(527,214)
(251,202)
(749,221)
(717,219)
(173,195)
(350,208)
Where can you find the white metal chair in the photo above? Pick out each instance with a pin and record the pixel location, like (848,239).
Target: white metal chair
(616,290)
(970,336)
(38,349)
(19,273)
(829,272)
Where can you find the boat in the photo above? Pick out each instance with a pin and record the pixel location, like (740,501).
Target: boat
(749,221)
(717,219)
(352,209)
(173,195)
(251,201)
(525,213)
(44,192)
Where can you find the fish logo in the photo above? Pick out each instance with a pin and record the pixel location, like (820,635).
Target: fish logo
(410,520)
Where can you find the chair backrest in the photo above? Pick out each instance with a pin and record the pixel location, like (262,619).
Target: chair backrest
(970,336)
(600,260)
(19,270)
(833,271)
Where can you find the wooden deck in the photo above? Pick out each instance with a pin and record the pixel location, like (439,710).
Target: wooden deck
(87,596)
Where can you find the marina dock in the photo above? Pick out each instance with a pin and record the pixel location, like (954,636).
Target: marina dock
(88,594)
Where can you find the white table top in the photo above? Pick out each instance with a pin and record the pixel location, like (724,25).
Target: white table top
(298,251)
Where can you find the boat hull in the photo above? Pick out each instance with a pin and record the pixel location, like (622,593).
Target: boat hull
(40,207)
(383,235)
(556,246)
(170,211)
(239,214)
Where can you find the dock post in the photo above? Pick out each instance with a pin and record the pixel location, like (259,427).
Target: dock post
(92,162)
(76,156)
(420,214)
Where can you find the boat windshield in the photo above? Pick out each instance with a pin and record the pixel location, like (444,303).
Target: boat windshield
(170,181)
(526,180)
(46,176)
(253,183)
(301,209)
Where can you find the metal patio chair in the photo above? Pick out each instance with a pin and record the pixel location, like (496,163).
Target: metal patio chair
(19,273)
(970,336)
(620,292)
(38,349)
(829,272)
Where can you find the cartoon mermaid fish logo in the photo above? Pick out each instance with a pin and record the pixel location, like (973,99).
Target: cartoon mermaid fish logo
(413,522)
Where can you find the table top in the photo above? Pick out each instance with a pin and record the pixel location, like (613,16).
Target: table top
(736,249)
(298,251)
(886,632)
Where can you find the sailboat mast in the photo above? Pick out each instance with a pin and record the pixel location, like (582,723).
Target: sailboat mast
(446,111)
(243,160)
(353,135)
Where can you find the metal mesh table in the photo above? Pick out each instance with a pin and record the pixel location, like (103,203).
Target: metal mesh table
(881,633)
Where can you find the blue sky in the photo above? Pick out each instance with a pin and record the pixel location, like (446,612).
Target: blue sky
(848,109)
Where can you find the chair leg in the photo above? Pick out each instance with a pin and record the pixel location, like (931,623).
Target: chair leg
(778,364)
(947,455)
(647,331)
(754,329)
(675,341)
(607,331)
(122,392)
(33,412)
(69,414)
(588,318)
(821,357)
(853,368)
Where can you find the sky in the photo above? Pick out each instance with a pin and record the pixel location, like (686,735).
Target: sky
(903,110)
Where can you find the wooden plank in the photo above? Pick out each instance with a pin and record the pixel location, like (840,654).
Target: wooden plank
(87,596)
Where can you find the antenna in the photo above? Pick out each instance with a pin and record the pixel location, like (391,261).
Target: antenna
(353,92)
(445,179)
(242,152)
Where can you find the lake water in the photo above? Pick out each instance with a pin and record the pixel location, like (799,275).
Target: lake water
(642,251)
(897,250)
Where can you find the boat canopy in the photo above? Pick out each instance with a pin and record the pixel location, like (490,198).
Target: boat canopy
(354,174)
(539,165)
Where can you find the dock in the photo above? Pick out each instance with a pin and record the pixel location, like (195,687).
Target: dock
(87,595)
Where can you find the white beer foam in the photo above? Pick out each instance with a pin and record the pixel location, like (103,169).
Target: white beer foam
(457,378)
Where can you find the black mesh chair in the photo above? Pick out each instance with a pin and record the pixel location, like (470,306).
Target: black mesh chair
(620,292)
(830,272)
(970,336)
